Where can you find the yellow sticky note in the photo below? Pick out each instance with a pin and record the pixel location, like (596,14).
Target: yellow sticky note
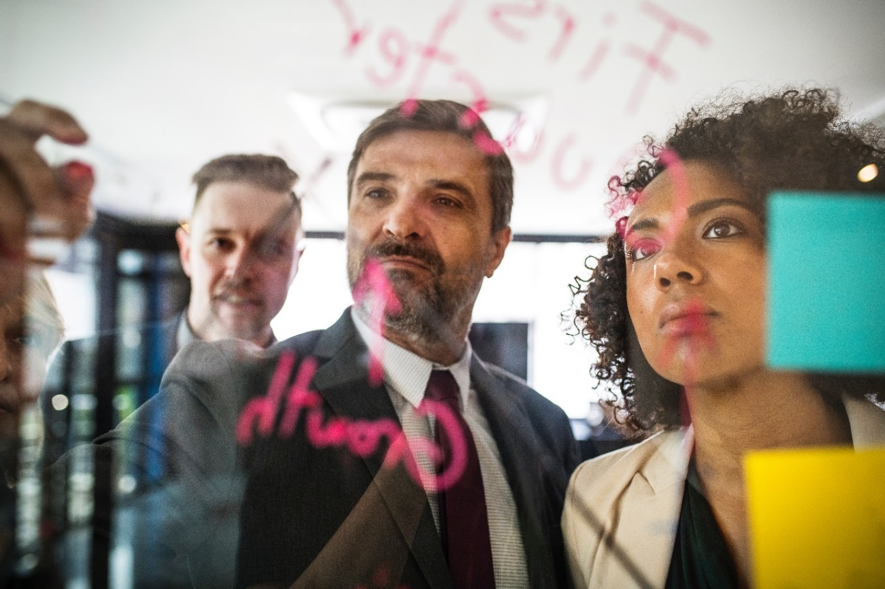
(817,518)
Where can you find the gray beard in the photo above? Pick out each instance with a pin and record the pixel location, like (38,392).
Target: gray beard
(426,313)
(429,314)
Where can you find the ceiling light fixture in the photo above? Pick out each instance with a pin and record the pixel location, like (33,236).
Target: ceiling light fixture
(337,123)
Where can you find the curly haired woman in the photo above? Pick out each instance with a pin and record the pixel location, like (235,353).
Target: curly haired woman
(676,310)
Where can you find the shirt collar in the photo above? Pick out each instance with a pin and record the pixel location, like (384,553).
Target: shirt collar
(407,373)
(184,334)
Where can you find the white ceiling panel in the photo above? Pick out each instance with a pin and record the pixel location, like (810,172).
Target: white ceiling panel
(163,86)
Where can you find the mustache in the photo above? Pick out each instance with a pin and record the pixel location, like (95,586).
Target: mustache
(427,256)
(236,286)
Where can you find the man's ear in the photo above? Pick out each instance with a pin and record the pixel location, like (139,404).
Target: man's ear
(299,251)
(500,241)
(184,249)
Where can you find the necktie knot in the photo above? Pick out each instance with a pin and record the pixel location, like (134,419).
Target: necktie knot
(442,388)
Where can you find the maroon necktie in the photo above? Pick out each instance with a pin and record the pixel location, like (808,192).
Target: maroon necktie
(463,517)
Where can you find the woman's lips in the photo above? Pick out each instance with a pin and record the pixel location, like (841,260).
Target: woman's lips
(680,319)
(238,299)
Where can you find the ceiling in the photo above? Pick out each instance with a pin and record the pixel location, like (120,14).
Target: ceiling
(163,86)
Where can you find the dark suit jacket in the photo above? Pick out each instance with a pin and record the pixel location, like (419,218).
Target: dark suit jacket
(322,514)
(92,366)
(299,497)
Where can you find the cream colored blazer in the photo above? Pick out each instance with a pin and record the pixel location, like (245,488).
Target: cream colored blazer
(622,508)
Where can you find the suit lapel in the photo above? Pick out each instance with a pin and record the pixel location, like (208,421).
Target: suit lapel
(654,498)
(867,422)
(342,380)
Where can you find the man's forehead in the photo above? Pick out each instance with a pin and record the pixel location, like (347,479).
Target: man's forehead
(227,192)
(241,205)
(450,156)
(415,144)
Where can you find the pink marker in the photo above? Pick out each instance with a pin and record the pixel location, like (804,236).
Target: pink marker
(374,283)
(394,49)
(458,460)
(361,437)
(486,143)
(429,54)
(568,27)
(652,60)
(300,396)
(479,105)
(558,160)
(596,59)
(517,154)
(355,34)
(264,410)
(498,12)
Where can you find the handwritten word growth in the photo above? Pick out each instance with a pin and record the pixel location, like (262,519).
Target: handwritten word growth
(362,437)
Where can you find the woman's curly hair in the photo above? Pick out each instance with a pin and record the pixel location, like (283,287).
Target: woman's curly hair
(795,140)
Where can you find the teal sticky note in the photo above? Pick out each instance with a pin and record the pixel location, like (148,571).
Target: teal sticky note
(826,282)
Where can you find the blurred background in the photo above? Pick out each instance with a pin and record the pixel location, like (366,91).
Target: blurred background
(570,86)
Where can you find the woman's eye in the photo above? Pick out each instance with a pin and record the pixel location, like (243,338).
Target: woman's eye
(643,248)
(720,229)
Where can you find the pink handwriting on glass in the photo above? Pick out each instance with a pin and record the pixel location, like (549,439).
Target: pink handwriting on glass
(568,172)
(652,61)
(355,34)
(362,437)
(374,291)
(396,49)
(504,17)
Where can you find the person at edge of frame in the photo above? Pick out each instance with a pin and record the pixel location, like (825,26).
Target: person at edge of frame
(241,259)
(39,206)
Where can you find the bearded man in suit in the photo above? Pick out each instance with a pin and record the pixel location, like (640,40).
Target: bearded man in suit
(381,451)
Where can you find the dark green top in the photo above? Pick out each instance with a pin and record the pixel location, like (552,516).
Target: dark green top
(701,558)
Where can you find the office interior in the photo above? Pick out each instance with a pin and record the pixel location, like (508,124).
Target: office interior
(570,87)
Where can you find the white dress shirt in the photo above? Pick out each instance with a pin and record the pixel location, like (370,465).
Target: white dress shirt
(406,375)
